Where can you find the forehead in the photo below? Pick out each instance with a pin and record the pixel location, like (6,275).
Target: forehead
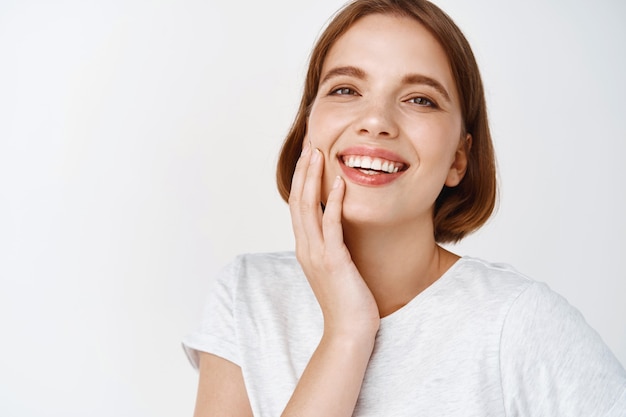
(391,45)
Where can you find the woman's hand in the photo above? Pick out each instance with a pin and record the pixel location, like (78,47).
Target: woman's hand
(347,304)
(331,381)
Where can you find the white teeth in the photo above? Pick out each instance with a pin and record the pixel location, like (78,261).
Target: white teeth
(374,164)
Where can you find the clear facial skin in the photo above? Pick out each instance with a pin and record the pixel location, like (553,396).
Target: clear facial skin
(387,92)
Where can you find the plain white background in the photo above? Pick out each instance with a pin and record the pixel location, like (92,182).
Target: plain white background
(137,148)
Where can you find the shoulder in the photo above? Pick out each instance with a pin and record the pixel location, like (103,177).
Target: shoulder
(252,274)
(251,265)
(478,268)
(250,268)
(488,282)
(549,353)
(534,312)
(266,261)
(265,277)
(526,296)
(551,361)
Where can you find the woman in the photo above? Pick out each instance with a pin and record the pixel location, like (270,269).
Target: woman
(389,156)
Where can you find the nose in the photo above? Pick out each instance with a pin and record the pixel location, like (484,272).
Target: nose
(377,120)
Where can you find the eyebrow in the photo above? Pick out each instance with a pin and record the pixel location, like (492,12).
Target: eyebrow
(431,82)
(350,71)
(408,79)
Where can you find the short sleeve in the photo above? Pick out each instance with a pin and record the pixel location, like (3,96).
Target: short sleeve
(554,364)
(217,333)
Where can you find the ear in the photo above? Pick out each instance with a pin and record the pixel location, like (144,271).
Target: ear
(459,164)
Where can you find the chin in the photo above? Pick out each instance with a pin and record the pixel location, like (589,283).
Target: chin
(366,213)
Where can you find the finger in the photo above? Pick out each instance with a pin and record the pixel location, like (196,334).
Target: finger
(297,184)
(310,206)
(331,222)
(299,175)
(303,247)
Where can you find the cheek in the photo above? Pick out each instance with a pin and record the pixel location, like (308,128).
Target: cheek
(436,141)
(326,123)
(315,120)
(318,128)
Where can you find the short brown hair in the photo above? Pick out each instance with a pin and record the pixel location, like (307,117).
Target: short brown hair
(458,210)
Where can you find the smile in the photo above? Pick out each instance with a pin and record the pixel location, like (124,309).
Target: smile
(368,166)
(372,165)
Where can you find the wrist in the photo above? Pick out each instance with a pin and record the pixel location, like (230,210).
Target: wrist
(353,338)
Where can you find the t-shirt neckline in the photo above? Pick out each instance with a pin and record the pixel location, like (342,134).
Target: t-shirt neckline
(441,282)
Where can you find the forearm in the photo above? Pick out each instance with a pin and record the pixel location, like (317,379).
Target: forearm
(332,380)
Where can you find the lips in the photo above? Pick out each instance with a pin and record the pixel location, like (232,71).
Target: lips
(371,166)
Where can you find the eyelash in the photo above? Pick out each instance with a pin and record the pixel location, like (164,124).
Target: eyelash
(347,91)
(343,91)
(425,102)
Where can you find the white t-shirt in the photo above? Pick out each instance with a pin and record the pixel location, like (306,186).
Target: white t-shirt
(483,340)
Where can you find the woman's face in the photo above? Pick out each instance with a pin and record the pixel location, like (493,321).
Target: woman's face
(387,119)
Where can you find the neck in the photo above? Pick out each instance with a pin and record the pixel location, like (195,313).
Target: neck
(397,263)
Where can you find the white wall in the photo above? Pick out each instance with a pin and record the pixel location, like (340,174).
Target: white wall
(137,147)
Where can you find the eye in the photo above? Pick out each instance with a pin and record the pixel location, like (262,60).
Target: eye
(422,101)
(343,91)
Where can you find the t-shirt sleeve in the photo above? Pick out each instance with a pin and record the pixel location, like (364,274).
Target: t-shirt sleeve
(217,333)
(554,364)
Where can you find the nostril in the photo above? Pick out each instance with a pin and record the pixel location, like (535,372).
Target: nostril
(383,133)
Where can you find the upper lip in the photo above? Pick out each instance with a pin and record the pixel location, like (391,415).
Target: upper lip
(372,152)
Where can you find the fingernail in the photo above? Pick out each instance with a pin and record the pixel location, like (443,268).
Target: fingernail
(337,182)
(316,156)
